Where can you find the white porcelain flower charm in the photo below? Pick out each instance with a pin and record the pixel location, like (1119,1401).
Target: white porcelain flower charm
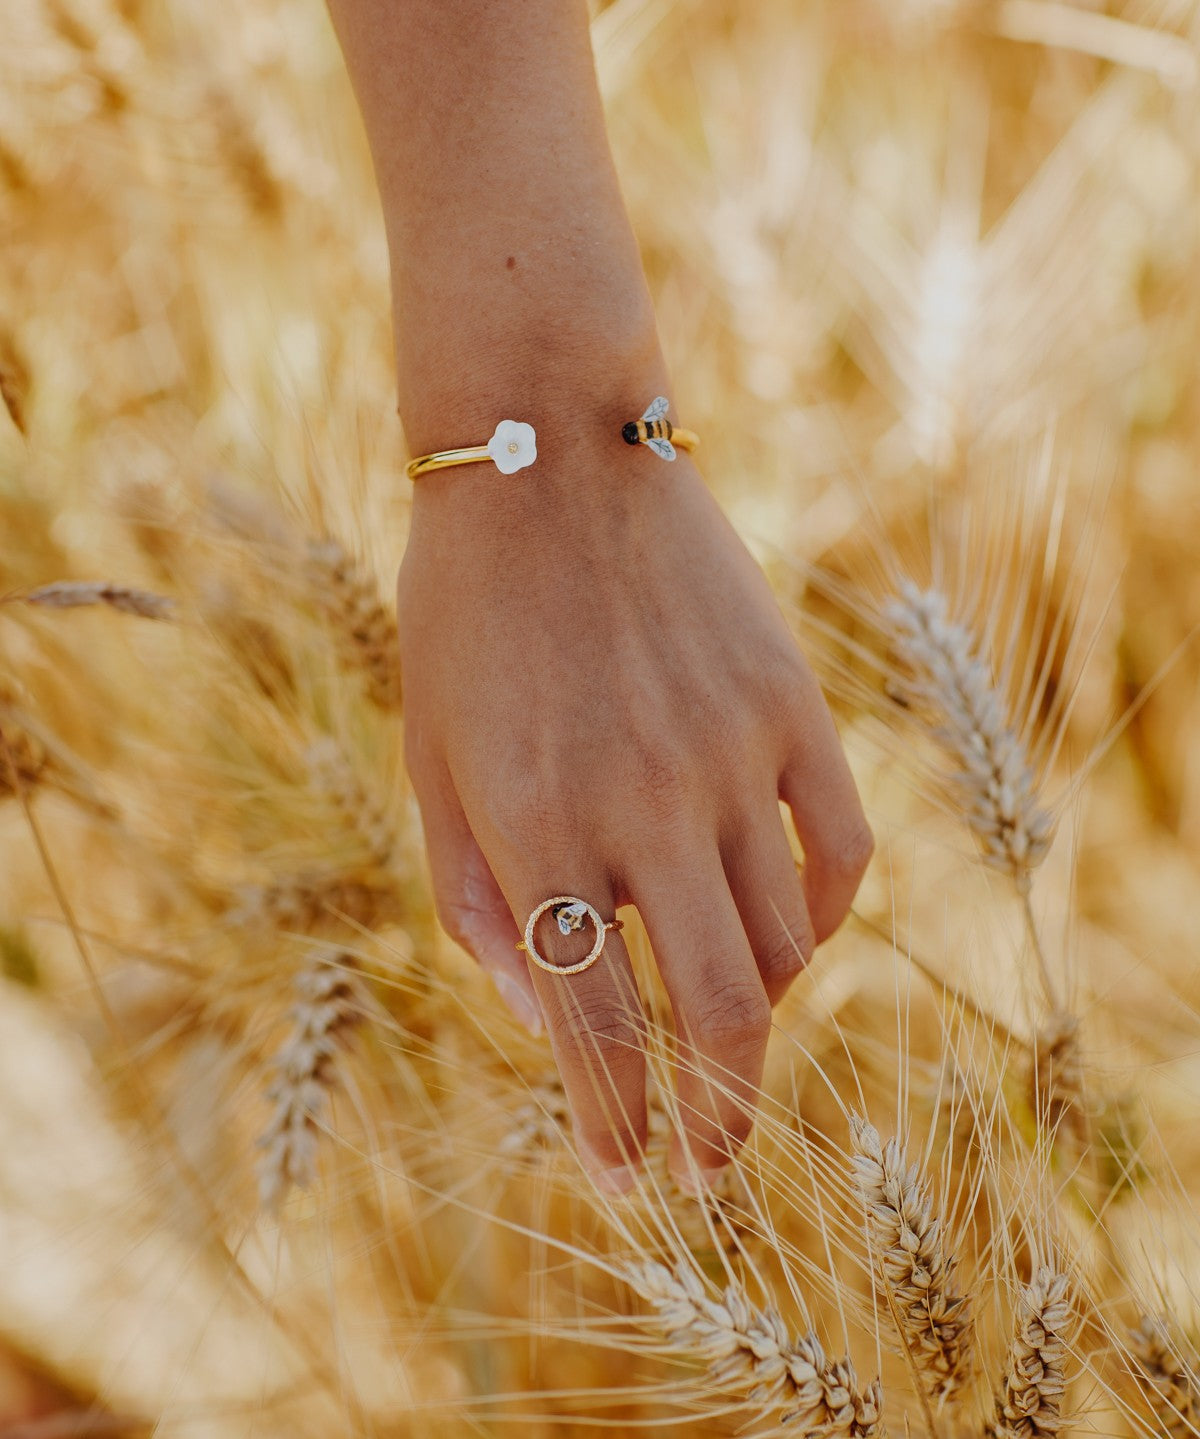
(513,446)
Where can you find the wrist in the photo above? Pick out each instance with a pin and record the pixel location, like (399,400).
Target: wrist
(548,355)
(586,485)
(577,382)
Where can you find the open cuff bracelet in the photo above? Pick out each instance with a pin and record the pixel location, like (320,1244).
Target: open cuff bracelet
(514,444)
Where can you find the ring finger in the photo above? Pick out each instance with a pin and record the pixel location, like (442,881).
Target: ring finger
(595,1023)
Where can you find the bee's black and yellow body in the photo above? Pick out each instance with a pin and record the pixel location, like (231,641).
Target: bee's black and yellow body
(637,432)
(655,430)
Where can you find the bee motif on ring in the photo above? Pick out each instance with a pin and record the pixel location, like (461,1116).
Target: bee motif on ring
(653,429)
(570,916)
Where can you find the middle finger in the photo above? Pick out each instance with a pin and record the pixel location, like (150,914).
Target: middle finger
(722,1013)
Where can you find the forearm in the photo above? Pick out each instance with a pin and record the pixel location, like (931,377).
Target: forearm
(601,697)
(516,278)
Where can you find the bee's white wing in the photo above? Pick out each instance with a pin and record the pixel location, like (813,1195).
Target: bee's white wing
(662,447)
(568,912)
(657,409)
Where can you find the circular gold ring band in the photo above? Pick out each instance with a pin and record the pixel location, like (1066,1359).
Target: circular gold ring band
(570,911)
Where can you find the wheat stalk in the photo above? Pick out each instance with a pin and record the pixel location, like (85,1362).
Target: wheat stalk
(330,1002)
(1030,1403)
(72,594)
(1056,1077)
(748,1350)
(948,684)
(911,1258)
(364,631)
(1167,1378)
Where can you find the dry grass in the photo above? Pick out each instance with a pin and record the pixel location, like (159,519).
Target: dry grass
(928,275)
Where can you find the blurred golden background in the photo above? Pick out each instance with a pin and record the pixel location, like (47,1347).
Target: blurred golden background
(927,274)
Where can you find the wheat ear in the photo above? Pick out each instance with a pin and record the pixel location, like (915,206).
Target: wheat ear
(911,1259)
(749,1350)
(540,1124)
(314,899)
(76,594)
(333,775)
(948,685)
(1166,1378)
(1030,1403)
(23,759)
(14,375)
(329,1002)
(364,631)
(1056,1078)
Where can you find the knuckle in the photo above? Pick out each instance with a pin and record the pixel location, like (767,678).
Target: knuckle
(528,802)
(786,953)
(524,815)
(659,776)
(794,692)
(600,1056)
(733,1016)
(606,1031)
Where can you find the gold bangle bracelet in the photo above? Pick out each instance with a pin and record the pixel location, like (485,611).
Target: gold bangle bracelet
(443,459)
(514,444)
(511,448)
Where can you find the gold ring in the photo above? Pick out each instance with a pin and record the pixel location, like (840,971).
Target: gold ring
(570,912)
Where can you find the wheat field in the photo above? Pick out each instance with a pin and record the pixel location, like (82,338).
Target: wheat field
(273,1161)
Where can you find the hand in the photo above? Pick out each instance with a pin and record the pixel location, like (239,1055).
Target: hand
(603,700)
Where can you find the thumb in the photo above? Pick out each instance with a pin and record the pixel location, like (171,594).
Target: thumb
(470,905)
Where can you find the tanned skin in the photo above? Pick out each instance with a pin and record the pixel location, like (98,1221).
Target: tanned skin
(602,698)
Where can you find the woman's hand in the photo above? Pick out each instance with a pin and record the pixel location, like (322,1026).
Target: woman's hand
(601,697)
(603,700)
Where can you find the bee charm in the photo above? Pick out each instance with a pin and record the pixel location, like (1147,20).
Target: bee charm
(653,429)
(570,916)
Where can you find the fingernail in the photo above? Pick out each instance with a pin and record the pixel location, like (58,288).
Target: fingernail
(521,1006)
(618,1180)
(697,1182)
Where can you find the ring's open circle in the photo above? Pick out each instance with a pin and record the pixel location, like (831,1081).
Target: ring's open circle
(593,954)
